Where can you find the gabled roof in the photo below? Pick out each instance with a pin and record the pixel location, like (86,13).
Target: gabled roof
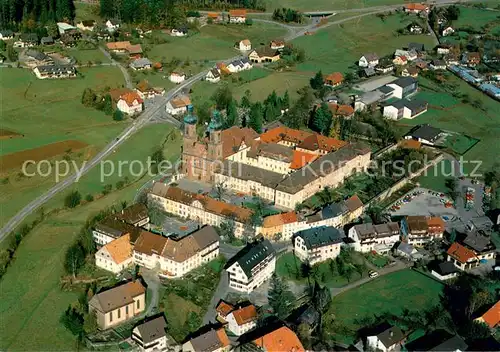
(383,230)
(149,243)
(133,214)
(280,340)
(224,308)
(180,101)
(426,132)
(141,62)
(252,255)
(477,242)
(210,341)
(492,316)
(404,82)
(460,253)
(370,57)
(134,49)
(335,77)
(446,268)
(353,203)
(119,249)
(152,330)
(266,51)
(391,336)
(233,137)
(279,219)
(238,13)
(416,46)
(320,236)
(116,228)
(118,45)
(416,7)
(131,97)
(245,315)
(316,141)
(117,297)
(180,250)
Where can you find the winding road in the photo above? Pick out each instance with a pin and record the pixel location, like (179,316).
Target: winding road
(149,114)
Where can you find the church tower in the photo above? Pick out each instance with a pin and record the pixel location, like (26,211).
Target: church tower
(215,140)
(189,142)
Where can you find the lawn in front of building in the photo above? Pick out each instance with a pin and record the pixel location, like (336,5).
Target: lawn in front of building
(326,5)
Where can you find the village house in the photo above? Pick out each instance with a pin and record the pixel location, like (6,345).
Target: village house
(415,28)
(416,8)
(118,47)
(345,111)
(385,67)
(127,101)
(418,230)
(403,87)
(237,16)
(116,255)
(223,309)
(244,45)
(400,60)
(110,229)
(145,91)
(481,245)
(135,215)
(47,40)
(64,27)
(471,59)
(264,54)
(177,77)
(452,58)
(210,341)
(368,60)
(135,51)
(492,316)
(277,44)
(404,108)
(410,55)
(118,304)
(35,58)
(213,75)
(150,336)
(179,32)
(443,49)
(368,237)
(447,31)
(178,105)
(445,271)
(251,266)
(280,339)
(280,226)
(141,64)
(369,100)
(242,320)
(86,25)
(417,48)
(462,257)
(214,17)
(334,79)
(390,338)
(425,134)
(317,244)
(411,71)
(239,65)
(54,71)
(6,34)
(26,40)
(67,40)
(112,25)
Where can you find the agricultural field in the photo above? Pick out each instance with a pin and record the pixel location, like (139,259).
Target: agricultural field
(481,17)
(320,5)
(450,113)
(390,293)
(214,42)
(339,47)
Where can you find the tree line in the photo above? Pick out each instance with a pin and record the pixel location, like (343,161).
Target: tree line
(287,15)
(15,14)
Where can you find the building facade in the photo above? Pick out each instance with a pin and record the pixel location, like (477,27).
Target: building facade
(368,237)
(317,245)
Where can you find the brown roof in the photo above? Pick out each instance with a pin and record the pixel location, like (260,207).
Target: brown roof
(317,141)
(245,315)
(118,45)
(280,340)
(135,49)
(118,92)
(213,15)
(184,248)
(435,224)
(120,249)
(130,98)
(271,150)
(234,136)
(335,78)
(460,253)
(410,144)
(266,51)
(134,213)
(238,13)
(278,42)
(224,308)
(143,86)
(246,42)
(279,219)
(149,243)
(416,7)
(341,110)
(180,101)
(283,133)
(353,203)
(417,223)
(117,297)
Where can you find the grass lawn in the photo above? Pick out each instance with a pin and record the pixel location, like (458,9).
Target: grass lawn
(87,55)
(338,47)
(319,5)
(481,17)
(30,295)
(215,42)
(435,177)
(453,115)
(389,293)
(85,12)
(378,260)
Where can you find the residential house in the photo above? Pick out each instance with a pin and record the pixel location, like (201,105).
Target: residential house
(425,134)
(179,32)
(418,230)
(438,340)
(26,40)
(345,111)
(447,31)
(410,55)
(277,44)
(213,75)
(237,16)
(280,226)
(244,45)
(452,58)
(318,244)
(37,58)
(471,59)
(369,100)
(211,341)
(118,304)
(237,66)
(492,316)
(281,339)
(6,34)
(116,255)
(64,27)
(178,105)
(264,54)
(141,64)
(368,60)
(177,77)
(135,51)
(251,266)
(481,245)
(242,320)
(404,108)
(390,338)
(385,67)
(415,28)
(148,249)
(223,309)
(118,47)
(150,336)
(406,250)
(400,60)
(367,72)
(369,237)
(437,65)
(47,41)
(445,271)
(443,49)
(145,91)
(418,48)
(417,8)
(110,229)
(334,79)
(214,17)
(421,65)
(462,257)
(55,71)
(86,25)
(112,25)
(403,87)
(135,215)
(127,101)
(411,71)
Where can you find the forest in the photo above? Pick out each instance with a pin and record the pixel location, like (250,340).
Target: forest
(27,13)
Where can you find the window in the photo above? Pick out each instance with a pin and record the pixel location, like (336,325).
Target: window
(126,310)
(138,304)
(119,312)
(110,317)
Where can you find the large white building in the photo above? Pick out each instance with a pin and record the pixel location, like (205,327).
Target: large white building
(116,255)
(251,266)
(178,105)
(369,237)
(317,244)
(242,320)
(418,230)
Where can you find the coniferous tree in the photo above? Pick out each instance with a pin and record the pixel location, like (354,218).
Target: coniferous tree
(322,119)
(317,81)
(280,297)
(285,102)
(232,114)
(256,117)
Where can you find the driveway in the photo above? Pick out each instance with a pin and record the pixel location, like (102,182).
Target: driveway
(220,292)
(153,281)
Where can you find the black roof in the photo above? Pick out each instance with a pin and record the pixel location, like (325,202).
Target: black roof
(320,236)
(425,132)
(252,255)
(437,340)
(404,81)
(446,268)
(152,330)
(386,89)
(55,68)
(415,104)
(477,242)
(416,46)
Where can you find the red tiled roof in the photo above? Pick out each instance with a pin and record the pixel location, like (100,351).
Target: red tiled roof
(118,45)
(224,340)
(224,308)
(341,110)
(317,141)
(435,224)
(279,219)
(234,136)
(245,315)
(301,159)
(130,97)
(283,133)
(492,316)
(238,13)
(416,7)
(410,144)
(213,15)
(335,78)
(460,253)
(280,340)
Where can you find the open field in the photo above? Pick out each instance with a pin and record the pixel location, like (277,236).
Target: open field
(449,113)
(215,42)
(389,293)
(85,11)
(338,47)
(435,177)
(319,5)
(481,17)
(41,153)
(7,134)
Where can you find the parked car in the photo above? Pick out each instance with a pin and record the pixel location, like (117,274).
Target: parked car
(372,274)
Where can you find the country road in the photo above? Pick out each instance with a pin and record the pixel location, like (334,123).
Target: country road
(149,114)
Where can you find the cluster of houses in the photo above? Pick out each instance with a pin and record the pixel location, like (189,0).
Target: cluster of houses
(44,66)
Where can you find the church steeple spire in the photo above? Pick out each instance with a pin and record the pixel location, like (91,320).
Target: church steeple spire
(190,117)
(216,121)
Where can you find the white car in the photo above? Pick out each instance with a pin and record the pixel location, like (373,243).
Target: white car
(372,274)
